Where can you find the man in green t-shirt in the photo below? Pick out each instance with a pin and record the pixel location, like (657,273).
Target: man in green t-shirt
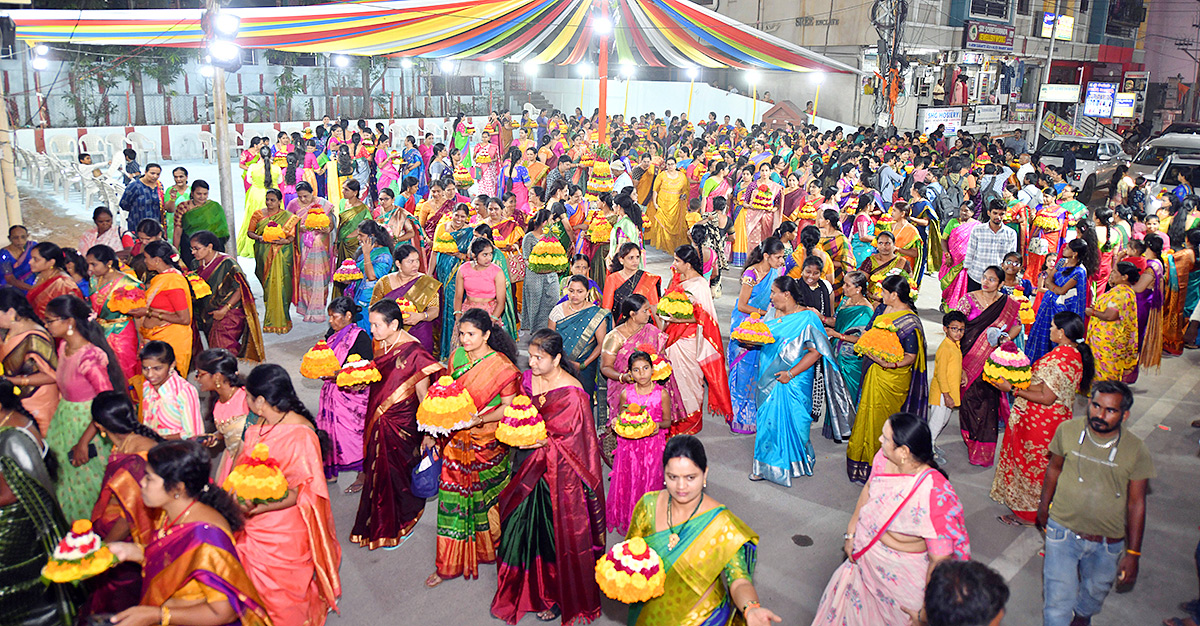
(1096,482)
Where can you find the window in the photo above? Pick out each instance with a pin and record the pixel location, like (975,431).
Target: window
(1023,7)
(1083,6)
(990,9)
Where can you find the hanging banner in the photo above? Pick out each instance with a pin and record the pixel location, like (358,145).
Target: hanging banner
(950,116)
(1099,99)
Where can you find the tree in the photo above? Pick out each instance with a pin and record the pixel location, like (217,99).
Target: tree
(287,84)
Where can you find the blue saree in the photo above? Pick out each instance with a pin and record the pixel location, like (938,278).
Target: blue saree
(851,320)
(445,270)
(1038,343)
(412,156)
(742,361)
(381,261)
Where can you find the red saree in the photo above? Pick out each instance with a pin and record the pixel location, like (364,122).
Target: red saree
(120,499)
(641,282)
(704,348)
(387,510)
(44,291)
(552,515)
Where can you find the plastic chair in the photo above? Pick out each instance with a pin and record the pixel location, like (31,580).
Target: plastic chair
(96,146)
(145,146)
(208,145)
(63,148)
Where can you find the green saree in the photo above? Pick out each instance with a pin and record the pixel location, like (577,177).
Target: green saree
(348,220)
(273,267)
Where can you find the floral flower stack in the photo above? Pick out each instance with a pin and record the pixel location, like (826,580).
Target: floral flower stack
(273,232)
(1008,363)
(200,288)
(764,199)
(676,306)
(319,362)
(79,554)
(634,423)
(548,256)
(348,272)
(1028,315)
(446,408)
(881,342)
(462,177)
(599,230)
(631,572)
(601,178)
(127,298)
(1047,218)
(316,219)
(258,479)
(358,372)
(406,306)
(697,173)
(752,331)
(444,243)
(521,424)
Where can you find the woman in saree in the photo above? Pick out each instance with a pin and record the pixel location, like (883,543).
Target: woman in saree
(1149,290)
(352,211)
(86,367)
(755,298)
(506,235)
(837,247)
(716,185)
(907,520)
(852,319)
(102,234)
(887,387)
(414,165)
(993,319)
(14,259)
(387,509)
(464,130)
(312,263)
(191,571)
(552,510)
(626,219)
(485,156)
(274,261)
(28,350)
(408,283)
(295,535)
(582,325)
(862,233)
(119,328)
(882,264)
(908,240)
(643,176)
(217,374)
(953,274)
(1113,327)
(625,278)
(263,175)
(475,465)
(439,206)
(1179,267)
(229,317)
(1066,292)
(374,261)
(708,553)
(794,195)
(120,514)
(49,264)
(1036,415)
(445,271)
(340,409)
(695,348)
(397,220)
(167,315)
(670,199)
(788,398)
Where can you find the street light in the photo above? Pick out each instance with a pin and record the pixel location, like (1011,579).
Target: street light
(341,60)
(206,70)
(531,68)
(752,77)
(40,63)
(447,66)
(224,51)
(819,78)
(227,24)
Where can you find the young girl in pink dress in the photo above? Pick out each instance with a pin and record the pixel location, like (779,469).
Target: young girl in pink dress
(637,463)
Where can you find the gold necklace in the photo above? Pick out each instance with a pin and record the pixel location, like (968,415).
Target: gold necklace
(673,540)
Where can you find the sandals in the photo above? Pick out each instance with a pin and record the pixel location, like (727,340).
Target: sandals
(756,478)
(550,614)
(398,544)
(1012,520)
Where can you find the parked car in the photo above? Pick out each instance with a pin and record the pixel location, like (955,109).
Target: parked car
(1096,160)
(1155,151)
(1165,178)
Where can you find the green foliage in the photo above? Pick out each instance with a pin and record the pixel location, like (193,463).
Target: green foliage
(90,79)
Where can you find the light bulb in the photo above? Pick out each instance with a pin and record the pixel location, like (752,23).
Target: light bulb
(341,60)
(223,50)
(206,71)
(40,63)
(41,49)
(227,24)
(406,63)
(447,66)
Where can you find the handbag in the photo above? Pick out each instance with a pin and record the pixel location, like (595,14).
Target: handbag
(427,475)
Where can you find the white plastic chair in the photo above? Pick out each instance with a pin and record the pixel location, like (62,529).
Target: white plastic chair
(96,146)
(63,148)
(208,145)
(145,146)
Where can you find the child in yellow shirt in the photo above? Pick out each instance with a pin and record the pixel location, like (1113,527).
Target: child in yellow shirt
(944,388)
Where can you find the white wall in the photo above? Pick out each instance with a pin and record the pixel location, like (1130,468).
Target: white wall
(646,96)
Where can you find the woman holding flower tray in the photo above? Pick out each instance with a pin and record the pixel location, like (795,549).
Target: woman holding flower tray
(114,294)
(313,267)
(228,318)
(273,230)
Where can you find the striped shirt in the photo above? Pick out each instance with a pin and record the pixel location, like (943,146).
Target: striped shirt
(173,408)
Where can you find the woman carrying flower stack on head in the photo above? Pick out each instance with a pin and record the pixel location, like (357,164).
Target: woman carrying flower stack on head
(475,465)
(229,317)
(582,325)
(340,412)
(408,286)
(695,348)
(191,571)
(890,384)
(273,230)
(763,267)
(1112,329)
(560,475)
(387,509)
(312,259)
(114,294)
(296,534)
(374,261)
(120,514)
(635,462)
(709,554)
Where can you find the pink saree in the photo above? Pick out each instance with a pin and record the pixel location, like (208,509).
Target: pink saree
(953,274)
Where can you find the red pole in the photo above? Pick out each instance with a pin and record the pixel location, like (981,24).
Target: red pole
(603,73)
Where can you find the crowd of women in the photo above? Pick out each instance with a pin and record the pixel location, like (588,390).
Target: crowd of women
(424,261)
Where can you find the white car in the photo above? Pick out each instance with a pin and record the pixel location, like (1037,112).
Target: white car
(1155,151)
(1096,160)
(1165,178)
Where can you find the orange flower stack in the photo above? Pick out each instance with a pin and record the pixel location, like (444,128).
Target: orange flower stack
(588,159)
(752,331)
(662,369)
(273,232)
(634,423)
(348,272)
(676,306)
(127,298)
(446,408)
(764,199)
(548,256)
(444,243)
(884,223)
(406,306)
(1048,218)
(599,230)
(881,342)
(358,371)
(601,178)
(200,288)
(1027,313)
(631,572)
(320,362)
(316,218)
(79,554)
(521,424)
(809,210)
(258,479)
(462,177)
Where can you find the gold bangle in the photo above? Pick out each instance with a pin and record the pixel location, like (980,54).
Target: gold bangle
(1133,552)
(165,616)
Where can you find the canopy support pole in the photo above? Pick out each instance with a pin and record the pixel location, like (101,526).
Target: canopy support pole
(603,74)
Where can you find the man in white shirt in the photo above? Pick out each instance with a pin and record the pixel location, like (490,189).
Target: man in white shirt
(1025,167)
(988,244)
(622,177)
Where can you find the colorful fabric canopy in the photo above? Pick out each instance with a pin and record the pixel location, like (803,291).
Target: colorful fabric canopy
(645,32)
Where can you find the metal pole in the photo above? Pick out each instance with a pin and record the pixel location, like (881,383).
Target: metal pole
(690,90)
(625,111)
(8,175)
(602,73)
(1037,129)
(816,101)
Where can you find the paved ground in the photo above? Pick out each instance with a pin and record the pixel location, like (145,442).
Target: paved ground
(801,527)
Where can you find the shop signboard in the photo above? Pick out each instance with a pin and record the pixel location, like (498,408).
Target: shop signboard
(950,116)
(988,36)
(1124,105)
(1098,102)
(1058,93)
(1057,126)
(987,113)
(1023,111)
(1066,24)
(1136,83)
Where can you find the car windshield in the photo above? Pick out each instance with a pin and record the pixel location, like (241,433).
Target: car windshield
(1167,175)
(1185,128)
(1155,155)
(1056,148)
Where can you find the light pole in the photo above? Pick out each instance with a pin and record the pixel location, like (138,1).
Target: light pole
(603,28)
(693,74)
(584,71)
(752,77)
(820,78)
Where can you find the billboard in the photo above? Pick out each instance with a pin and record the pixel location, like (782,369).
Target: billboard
(950,116)
(1066,24)
(988,36)
(1125,105)
(1098,102)
(1058,93)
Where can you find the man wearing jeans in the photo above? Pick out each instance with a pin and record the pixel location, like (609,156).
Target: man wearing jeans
(1096,482)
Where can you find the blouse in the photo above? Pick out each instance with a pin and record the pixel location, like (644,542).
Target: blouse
(83,374)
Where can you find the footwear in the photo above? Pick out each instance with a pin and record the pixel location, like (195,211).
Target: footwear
(402,541)
(939,456)
(551,614)
(1081,621)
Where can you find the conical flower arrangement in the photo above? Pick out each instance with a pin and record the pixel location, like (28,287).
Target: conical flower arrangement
(810,208)
(1028,315)
(601,178)
(752,331)
(348,272)
(1008,363)
(881,342)
(548,256)
(884,223)
(634,423)
(1048,218)
(662,369)
(588,159)
(273,232)
(316,218)
(406,306)
(763,199)
(200,288)
(319,362)
(676,305)
(462,177)
(599,230)
(258,479)
(446,408)
(631,572)
(79,555)
(521,424)
(444,243)
(127,298)
(357,372)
